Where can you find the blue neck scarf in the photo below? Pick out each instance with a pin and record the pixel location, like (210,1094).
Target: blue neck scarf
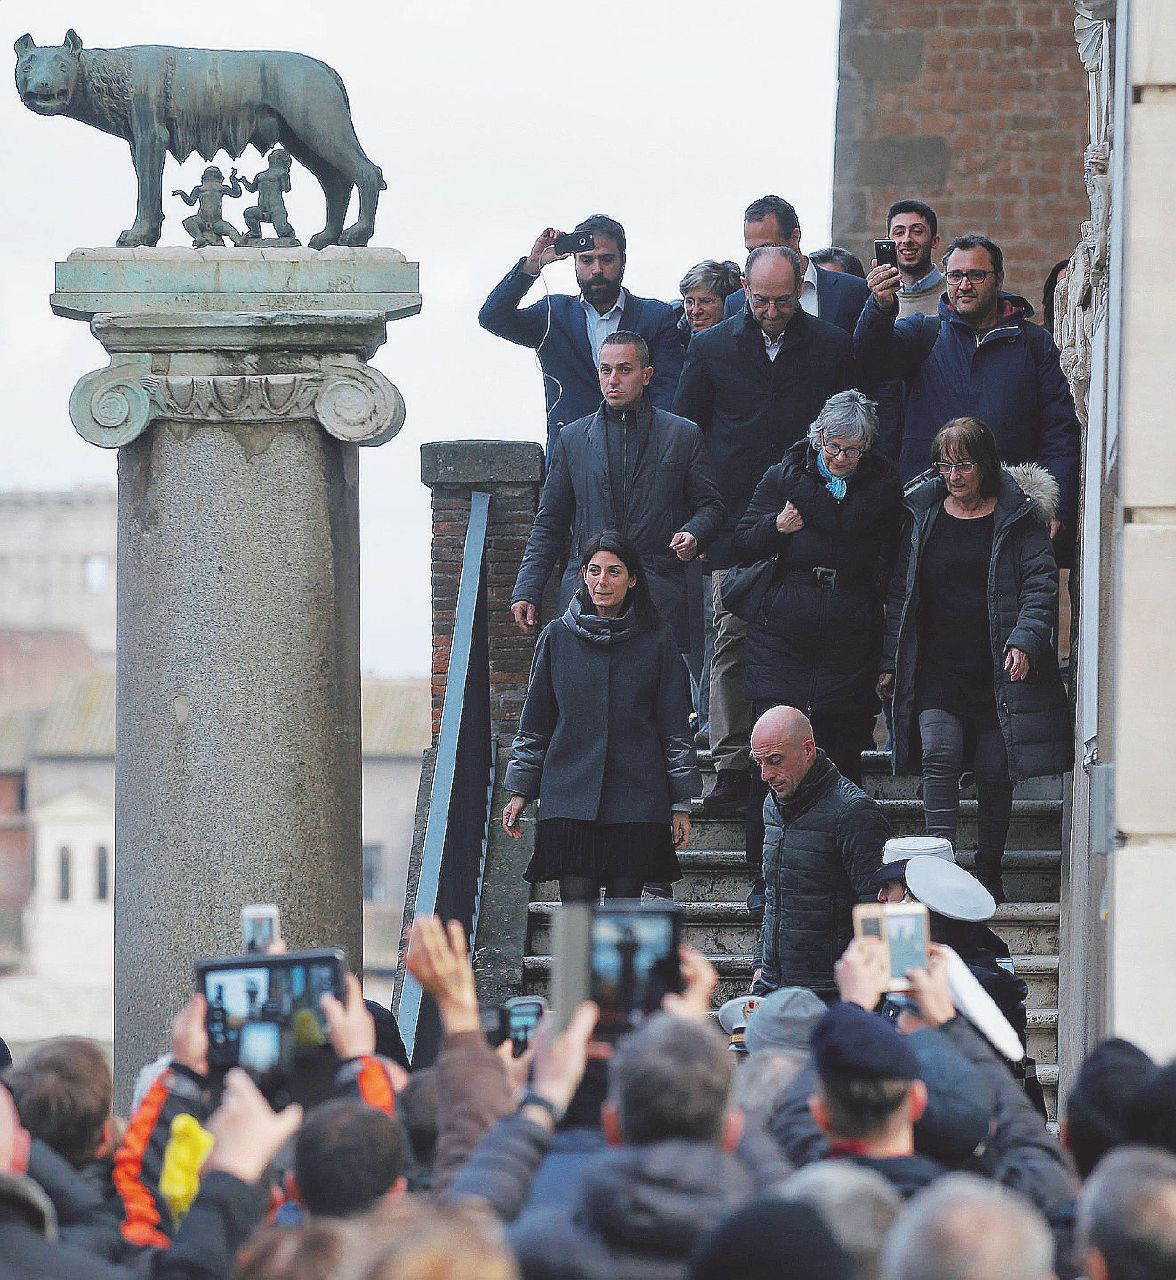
(835,484)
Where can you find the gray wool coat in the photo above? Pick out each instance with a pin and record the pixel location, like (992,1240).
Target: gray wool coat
(673,489)
(1022,612)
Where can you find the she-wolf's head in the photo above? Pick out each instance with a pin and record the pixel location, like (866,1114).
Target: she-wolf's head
(46,75)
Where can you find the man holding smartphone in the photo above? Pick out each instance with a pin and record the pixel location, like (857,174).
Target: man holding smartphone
(914,229)
(567,331)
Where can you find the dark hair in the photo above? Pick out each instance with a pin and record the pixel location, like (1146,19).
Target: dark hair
(624,550)
(977,241)
(1047,294)
(64,1093)
(346,1157)
(671,1079)
(1098,1110)
(860,1108)
(920,207)
(974,437)
(775,207)
(601,222)
(779,251)
(623,338)
(849,262)
(1123,1213)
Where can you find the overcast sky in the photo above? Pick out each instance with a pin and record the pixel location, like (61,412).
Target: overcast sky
(490,120)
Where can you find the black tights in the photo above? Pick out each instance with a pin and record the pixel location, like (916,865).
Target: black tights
(586,889)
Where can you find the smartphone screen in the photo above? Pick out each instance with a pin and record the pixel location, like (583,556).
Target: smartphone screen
(517,1020)
(634,963)
(907,936)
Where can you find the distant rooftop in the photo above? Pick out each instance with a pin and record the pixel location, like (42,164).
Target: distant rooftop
(17,732)
(397,716)
(80,719)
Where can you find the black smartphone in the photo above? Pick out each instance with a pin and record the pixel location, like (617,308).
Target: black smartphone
(886,253)
(517,1020)
(264,1016)
(574,242)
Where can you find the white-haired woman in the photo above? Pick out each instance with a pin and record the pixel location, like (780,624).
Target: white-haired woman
(829,515)
(704,290)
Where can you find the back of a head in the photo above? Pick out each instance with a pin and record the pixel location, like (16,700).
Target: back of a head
(1127,1211)
(1151,1112)
(865,1068)
(1097,1109)
(671,1079)
(347,1156)
(64,1093)
(767,1238)
(313,1250)
(762,1082)
(963,1227)
(416,1240)
(858,1205)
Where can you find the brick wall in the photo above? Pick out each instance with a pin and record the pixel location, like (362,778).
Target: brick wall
(979,108)
(511,472)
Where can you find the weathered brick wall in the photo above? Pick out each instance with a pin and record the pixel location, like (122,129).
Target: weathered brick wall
(979,108)
(511,472)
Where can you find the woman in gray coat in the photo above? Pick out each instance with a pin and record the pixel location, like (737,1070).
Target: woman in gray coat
(607,703)
(969,654)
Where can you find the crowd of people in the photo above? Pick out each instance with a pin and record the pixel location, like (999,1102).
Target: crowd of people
(824,1140)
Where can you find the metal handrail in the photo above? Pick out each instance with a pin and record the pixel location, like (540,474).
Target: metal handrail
(453,853)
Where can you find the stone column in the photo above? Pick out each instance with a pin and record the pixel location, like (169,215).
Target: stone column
(237,393)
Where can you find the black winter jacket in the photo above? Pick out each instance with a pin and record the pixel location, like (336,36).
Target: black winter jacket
(1022,611)
(607,703)
(822,848)
(751,408)
(671,489)
(816,646)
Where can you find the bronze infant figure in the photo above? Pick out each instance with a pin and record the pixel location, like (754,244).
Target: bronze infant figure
(161,99)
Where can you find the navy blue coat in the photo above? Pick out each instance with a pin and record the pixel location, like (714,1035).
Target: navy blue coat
(555,328)
(1011,379)
(751,408)
(840,299)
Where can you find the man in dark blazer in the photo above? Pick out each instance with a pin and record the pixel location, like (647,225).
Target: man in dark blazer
(632,468)
(754,384)
(567,332)
(828,295)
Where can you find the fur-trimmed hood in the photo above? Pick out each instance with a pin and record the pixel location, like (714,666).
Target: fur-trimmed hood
(1024,480)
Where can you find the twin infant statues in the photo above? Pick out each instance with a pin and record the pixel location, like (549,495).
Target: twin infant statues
(207,226)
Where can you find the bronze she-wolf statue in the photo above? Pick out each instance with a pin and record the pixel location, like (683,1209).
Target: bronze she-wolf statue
(162,99)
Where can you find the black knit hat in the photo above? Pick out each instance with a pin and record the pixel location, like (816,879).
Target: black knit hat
(767,1239)
(1104,1089)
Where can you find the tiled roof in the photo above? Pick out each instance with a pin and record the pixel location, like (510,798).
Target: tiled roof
(397,717)
(80,719)
(17,731)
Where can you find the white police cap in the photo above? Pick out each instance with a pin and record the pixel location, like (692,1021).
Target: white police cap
(948,890)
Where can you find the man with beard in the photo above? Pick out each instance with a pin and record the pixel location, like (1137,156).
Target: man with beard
(567,332)
(823,839)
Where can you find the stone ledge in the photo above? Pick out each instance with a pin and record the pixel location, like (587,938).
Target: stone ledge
(474,462)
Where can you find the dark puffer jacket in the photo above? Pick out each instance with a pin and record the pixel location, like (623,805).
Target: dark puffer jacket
(816,645)
(822,848)
(1022,608)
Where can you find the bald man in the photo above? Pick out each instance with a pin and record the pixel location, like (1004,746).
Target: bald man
(823,839)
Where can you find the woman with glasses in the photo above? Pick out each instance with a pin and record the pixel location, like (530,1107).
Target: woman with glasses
(969,654)
(828,516)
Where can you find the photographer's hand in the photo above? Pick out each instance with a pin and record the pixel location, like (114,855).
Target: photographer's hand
(560,1061)
(189,1037)
(931,989)
(352,1028)
(247,1132)
(699,978)
(863,972)
(542,251)
(884,283)
(439,960)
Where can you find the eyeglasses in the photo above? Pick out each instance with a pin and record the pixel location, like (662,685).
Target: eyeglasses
(783,302)
(946,468)
(852,452)
(975,274)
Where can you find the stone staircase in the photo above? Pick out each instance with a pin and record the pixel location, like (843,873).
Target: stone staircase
(715,884)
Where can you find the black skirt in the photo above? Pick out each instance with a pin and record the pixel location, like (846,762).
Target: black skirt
(603,851)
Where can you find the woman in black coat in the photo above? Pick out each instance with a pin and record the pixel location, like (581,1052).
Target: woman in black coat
(608,701)
(829,516)
(969,653)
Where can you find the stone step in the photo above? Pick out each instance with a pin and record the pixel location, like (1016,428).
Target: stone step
(722,875)
(1041,1035)
(1036,824)
(1039,972)
(725,927)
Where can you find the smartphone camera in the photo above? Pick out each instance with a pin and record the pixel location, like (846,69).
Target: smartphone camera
(574,242)
(886,253)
